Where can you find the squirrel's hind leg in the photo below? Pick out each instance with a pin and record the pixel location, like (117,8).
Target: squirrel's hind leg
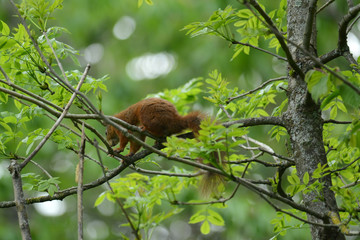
(123,142)
(134,147)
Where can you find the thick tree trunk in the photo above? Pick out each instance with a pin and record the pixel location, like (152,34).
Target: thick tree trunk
(304,122)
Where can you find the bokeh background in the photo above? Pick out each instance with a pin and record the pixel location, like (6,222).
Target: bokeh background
(143,51)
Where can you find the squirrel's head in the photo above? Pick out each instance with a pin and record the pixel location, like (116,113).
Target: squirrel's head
(111,136)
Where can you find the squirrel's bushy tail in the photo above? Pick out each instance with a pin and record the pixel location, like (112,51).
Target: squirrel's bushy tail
(210,184)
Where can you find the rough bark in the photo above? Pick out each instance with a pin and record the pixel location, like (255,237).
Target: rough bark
(14,169)
(303,117)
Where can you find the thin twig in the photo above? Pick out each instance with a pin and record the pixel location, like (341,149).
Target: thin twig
(53,128)
(80,179)
(324,6)
(264,163)
(336,121)
(259,190)
(351,184)
(296,217)
(352,24)
(5,76)
(63,83)
(170,174)
(256,89)
(345,167)
(248,122)
(317,62)
(259,49)
(270,24)
(55,55)
(46,172)
(135,230)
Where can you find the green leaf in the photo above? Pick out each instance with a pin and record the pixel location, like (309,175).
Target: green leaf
(328,99)
(5,30)
(56,5)
(10,119)
(306,178)
(333,113)
(7,127)
(197,217)
(44,185)
(317,84)
(51,190)
(215,218)
(244,13)
(350,97)
(293,179)
(28,186)
(205,228)
(100,199)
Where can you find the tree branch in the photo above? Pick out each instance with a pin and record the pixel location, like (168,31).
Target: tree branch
(264,163)
(309,24)
(256,89)
(19,201)
(267,21)
(53,128)
(163,173)
(343,30)
(324,6)
(80,179)
(259,49)
(260,190)
(336,121)
(135,230)
(327,57)
(317,62)
(296,217)
(248,122)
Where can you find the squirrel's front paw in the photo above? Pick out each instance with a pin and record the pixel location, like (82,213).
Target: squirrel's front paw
(119,150)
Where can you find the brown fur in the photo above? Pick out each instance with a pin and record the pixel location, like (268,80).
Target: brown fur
(155,115)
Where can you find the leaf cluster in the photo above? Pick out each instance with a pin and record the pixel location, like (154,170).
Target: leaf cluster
(147,197)
(37,183)
(242,27)
(207,216)
(332,93)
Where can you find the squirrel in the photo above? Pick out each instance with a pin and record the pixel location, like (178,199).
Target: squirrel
(156,116)
(161,119)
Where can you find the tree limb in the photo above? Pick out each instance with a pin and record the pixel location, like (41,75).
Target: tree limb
(259,49)
(53,128)
(256,89)
(248,122)
(80,179)
(324,6)
(267,21)
(343,30)
(19,200)
(134,229)
(309,24)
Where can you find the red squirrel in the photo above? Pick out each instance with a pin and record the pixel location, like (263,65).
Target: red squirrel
(155,115)
(161,119)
